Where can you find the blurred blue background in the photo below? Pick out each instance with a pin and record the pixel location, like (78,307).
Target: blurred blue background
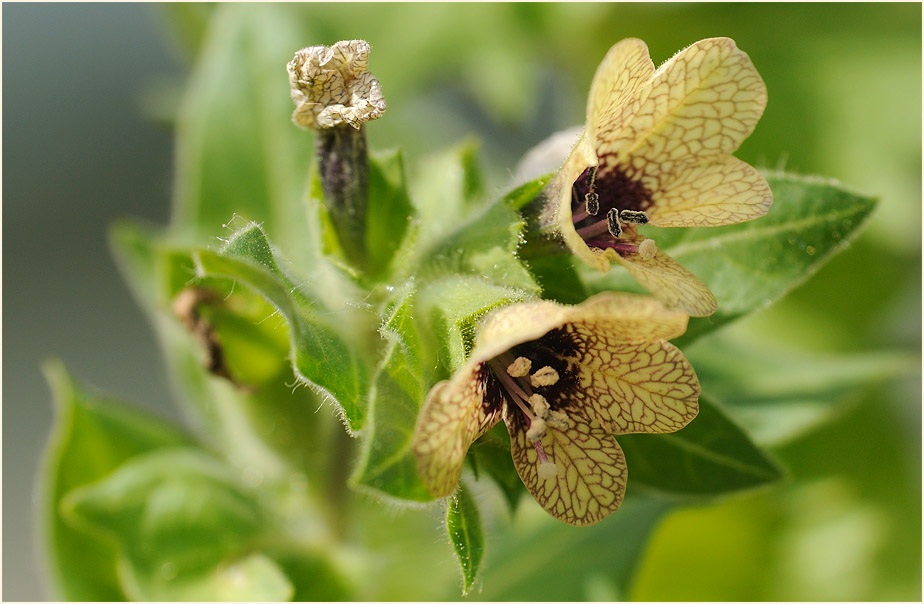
(88,92)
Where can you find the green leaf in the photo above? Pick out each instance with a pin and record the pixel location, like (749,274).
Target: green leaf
(252,578)
(171,505)
(91,437)
(455,232)
(237,150)
(399,386)
(453,307)
(463,523)
(710,456)
(778,395)
(750,265)
(389,210)
(180,518)
(484,245)
(314,577)
(522,195)
(264,418)
(558,277)
(542,560)
(321,355)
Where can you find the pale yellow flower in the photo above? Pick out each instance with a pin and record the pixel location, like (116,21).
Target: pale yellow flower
(564,379)
(656,149)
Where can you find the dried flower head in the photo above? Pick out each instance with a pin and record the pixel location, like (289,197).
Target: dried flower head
(564,380)
(331,86)
(656,149)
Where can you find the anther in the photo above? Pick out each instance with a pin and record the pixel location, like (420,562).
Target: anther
(540,405)
(558,420)
(633,217)
(647,249)
(592,201)
(547,376)
(612,223)
(519,367)
(536,429)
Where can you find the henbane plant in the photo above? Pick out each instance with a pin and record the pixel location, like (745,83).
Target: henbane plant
(423,320)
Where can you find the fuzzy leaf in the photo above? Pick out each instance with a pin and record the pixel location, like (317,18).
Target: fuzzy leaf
(517,568)
(750,265)
(399,386)
(389,211)
(710,456)
(792,392)
(463,523)
(182,522)
(320,354)
(453,307)
(91,438)
(258,421)
(456,232)
(252,578)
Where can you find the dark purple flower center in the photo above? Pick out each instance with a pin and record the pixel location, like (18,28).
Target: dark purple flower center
(606,204)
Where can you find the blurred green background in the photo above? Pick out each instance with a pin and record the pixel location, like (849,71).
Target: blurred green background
(88,97)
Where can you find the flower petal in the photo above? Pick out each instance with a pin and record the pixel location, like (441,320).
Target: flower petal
(452,417)
(702,103)
(591,470)
(669,282)
(724,191)
(559,210)
(616,89)
(630,388)
(506,327)
(627,318)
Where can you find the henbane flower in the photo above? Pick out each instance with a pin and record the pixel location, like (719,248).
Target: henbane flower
(656,149)
(564,379)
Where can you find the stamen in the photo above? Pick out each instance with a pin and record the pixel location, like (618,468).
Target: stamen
(592,200)
(633,217)
(558,420)
(546,468)
(595,230)
(519,367)
(536,429)
(621,247)
(515,393)
(547,376)
(540,405)
(612,223)
(647,249)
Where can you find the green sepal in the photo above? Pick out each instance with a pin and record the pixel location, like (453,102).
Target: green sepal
(321,356)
